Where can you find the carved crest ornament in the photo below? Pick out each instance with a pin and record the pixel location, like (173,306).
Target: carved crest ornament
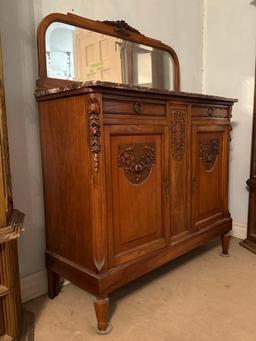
(121,27)
(136,160)
(94,131)
(178,135)
(208,152)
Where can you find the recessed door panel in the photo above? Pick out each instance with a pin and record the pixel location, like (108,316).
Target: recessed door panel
(209,174)
(136,191)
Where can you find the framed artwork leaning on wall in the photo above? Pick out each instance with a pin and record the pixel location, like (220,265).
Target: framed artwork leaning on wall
(11,226)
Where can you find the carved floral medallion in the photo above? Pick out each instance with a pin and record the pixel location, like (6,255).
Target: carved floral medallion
(178,135)
(208,152)
(136,160)
(94,131)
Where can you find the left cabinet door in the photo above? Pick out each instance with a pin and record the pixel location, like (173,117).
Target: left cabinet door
(137,193)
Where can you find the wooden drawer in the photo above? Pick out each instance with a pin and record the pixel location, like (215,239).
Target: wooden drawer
(210,111)
(134,106)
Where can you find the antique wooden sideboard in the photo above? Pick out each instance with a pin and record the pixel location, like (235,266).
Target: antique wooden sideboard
(133,176)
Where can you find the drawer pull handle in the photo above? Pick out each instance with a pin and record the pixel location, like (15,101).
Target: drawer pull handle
(138,107)
(210,111)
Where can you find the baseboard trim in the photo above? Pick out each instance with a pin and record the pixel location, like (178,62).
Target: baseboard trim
(239,230)
(33,286)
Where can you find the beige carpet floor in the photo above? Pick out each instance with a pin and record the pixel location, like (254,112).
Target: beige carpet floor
(198,297)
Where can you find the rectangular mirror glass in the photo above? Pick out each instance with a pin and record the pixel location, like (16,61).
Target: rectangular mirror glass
(82,55)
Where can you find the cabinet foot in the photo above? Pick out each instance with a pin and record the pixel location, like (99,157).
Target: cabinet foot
(225,241)
(53,284)
(101,308)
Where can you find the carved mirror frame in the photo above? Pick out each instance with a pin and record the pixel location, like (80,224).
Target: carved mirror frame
(118,29)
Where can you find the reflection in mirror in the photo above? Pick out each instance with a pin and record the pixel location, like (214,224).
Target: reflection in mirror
(82,55)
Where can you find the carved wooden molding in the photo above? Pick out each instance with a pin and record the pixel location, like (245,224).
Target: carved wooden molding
(208,152)
(14,229)
(94,131)
(136,160)
(121,27)
(178,134)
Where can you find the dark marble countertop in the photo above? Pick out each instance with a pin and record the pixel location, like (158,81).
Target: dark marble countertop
(90,86)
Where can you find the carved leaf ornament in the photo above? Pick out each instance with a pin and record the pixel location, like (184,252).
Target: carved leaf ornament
(94,131)
(178,135)
(136,160)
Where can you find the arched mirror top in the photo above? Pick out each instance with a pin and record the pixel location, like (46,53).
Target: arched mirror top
(74,49)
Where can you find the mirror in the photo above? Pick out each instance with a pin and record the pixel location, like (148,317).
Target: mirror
(79,54)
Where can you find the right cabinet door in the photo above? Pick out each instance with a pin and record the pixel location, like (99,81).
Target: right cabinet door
(210,155)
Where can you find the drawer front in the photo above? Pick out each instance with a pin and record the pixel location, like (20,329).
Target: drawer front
(210,111)
(134,106)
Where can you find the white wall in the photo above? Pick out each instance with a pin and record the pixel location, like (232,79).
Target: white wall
(229,65)
(175,22)
(19,59)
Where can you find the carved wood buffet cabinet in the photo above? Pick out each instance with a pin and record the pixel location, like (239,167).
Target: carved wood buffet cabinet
(133,176)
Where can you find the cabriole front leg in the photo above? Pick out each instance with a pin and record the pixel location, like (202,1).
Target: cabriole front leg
(101,306)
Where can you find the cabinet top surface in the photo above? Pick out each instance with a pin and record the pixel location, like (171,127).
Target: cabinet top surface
(99,86)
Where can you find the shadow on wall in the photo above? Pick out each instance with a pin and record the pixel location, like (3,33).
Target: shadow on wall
(20,72)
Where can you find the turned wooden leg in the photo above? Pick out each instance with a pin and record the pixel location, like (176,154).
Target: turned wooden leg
(225,241)
(53,283)
(101,309)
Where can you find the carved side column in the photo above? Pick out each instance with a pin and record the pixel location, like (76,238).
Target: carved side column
(98,205)
(98,211)
(179,170)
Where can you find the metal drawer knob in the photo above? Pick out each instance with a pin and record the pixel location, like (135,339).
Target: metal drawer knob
(210,111)
(138,107)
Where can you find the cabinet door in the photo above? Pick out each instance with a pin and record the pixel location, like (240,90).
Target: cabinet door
(210,153)
(137,197)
